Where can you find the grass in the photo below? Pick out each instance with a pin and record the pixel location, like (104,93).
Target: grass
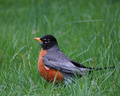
(87,32)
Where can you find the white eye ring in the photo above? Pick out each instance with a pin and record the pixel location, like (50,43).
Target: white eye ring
(47,41)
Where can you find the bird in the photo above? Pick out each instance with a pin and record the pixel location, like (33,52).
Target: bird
(55,66)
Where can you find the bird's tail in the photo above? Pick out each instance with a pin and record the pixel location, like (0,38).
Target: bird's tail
(104,68)
(96,69)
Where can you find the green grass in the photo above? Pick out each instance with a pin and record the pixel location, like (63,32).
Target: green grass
(88,31)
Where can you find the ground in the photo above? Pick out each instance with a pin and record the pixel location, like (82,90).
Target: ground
(87,31)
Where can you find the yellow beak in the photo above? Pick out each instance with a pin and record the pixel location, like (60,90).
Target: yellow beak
(38,39)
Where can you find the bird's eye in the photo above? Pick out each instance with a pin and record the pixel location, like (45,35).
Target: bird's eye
(47,41)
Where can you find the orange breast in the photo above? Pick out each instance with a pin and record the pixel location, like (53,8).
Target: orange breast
(48,73)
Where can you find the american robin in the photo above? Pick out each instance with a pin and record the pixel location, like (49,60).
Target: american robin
(54,65)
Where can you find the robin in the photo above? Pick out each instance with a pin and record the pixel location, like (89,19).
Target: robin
(54,65)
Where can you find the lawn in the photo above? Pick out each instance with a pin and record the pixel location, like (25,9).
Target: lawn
(87,31)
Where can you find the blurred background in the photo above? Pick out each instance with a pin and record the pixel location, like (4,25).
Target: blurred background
(87,31)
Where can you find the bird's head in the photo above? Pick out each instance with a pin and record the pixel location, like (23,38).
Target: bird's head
(47,41)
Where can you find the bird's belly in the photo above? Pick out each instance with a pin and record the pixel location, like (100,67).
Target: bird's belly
(48,73)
